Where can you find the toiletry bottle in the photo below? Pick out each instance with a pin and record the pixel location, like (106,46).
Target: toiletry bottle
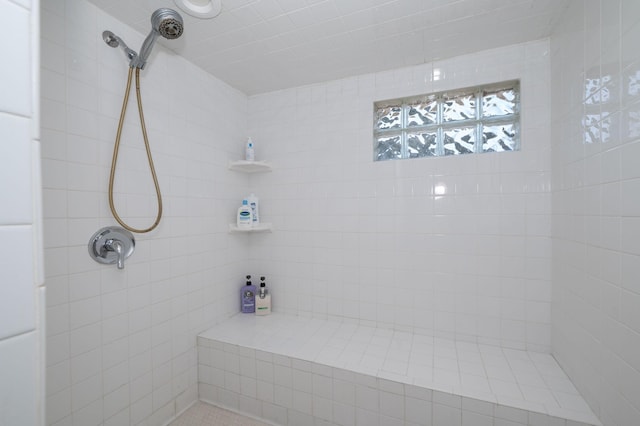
(245,218)
(263,299)
(249,153)
(248,297)
(253,203)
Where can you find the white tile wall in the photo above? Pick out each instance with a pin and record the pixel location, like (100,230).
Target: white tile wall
(455,247)
(21,295)
(595,312)
(121,344)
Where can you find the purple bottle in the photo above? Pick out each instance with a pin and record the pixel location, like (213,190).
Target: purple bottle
(248,297)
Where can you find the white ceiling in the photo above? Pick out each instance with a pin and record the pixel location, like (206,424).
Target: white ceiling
(263,45)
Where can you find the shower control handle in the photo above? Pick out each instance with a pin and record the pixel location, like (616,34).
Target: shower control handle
(116,246)
(110,245)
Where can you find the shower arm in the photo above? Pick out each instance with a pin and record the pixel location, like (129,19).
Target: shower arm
(141,59)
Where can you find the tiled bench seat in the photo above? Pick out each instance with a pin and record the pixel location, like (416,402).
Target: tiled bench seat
(298,371)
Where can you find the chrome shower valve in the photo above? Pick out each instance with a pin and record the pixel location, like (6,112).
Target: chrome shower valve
(111,244)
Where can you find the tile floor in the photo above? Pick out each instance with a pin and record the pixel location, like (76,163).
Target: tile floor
(202,414)
(521,379)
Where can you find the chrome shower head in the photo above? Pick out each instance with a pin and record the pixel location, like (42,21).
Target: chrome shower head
(165,22)
(114,41)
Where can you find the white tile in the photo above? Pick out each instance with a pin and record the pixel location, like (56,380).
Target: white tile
(17,290)
(116,401)
(367,398)
(322,386)
(85,392)
(344,414)
(264,391)
(53,83)
(57,348)
(112,304)
(19,358)
(364,417)
(418,411)
(248,387)
(57,319)
(54,177)
(274,413)
(512,414)
(392,405)
(344,392)
(630,203)
(629,315)
(59,407)
(475,419)
(115,377)
(303,402)
(115,352)
(58,377)
(81,95)
(84,339)
(120,418)
(248,367)
(91,414)
(84,312)
(84,285)
(17,79)
(503,422)
(15,171)
(443,414)
(322,408)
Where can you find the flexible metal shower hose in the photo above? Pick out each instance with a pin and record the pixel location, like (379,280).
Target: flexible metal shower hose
(116,148)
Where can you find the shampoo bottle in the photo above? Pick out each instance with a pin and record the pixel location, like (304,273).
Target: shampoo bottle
(245,218)
(263,299)
(248,297)
(249,153)
(255,211)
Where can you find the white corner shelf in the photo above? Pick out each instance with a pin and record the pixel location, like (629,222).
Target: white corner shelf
(250,166)
(263,227)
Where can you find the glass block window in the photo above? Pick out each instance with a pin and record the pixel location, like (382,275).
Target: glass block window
(464,121)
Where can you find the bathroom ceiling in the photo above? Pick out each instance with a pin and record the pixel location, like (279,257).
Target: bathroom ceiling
(263,45)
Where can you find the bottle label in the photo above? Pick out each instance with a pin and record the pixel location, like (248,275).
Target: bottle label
(244,217)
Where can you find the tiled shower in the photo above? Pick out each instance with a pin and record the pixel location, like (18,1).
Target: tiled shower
(533,250)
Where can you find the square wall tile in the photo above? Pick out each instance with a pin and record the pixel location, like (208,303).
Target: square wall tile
(15,170)
(17,306)
(18,375)
(15,80)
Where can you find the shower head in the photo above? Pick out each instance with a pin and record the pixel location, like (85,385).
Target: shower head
(167,22)
(114,41)
(164,22)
